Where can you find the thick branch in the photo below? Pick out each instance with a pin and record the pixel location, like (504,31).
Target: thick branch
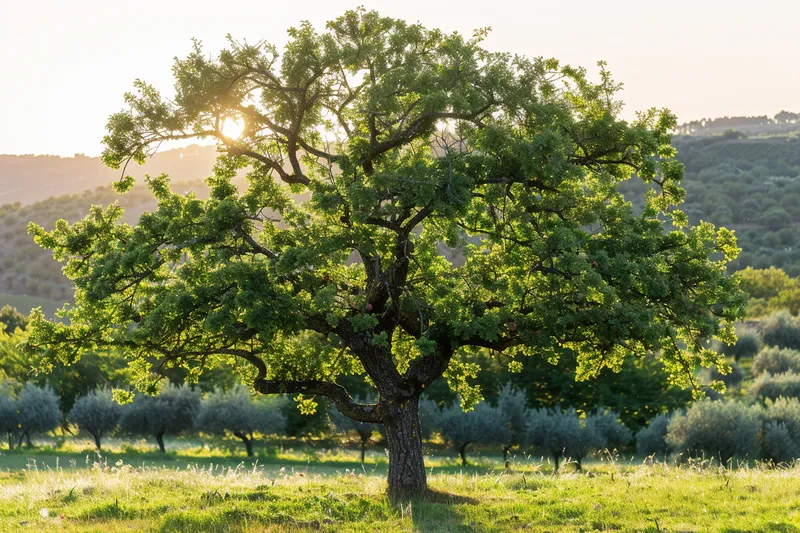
(336,393)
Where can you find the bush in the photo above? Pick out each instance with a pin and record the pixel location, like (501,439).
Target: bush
(781,416)
(782,330)
(607,431)
(732,378)
(172,411)
(553,431)
(96,413)
(238,413)
(512,403)
(718,429)
(769,386)
(774,360)
(651,439)
(483,425)
(364,430)
(8,417)
(747,345)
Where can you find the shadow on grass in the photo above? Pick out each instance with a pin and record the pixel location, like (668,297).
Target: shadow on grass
(439,511)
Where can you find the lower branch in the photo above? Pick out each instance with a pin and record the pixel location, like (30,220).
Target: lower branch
(336,393)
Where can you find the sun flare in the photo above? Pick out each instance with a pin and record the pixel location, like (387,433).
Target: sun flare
(232,127)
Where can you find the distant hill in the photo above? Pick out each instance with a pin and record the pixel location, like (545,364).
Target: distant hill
(749,185)
(32,178)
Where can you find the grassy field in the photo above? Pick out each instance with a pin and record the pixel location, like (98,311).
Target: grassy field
(24,304)
(72,490)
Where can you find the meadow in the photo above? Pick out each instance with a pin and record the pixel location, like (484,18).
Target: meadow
(307,489)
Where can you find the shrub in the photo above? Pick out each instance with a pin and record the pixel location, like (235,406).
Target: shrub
(651,439)
(747,345)
(553,431)
(781,416)
(607,431)
(512,403)
(778,445)
(769,386)
(719,429)
(732,378)
(774,360)
(483,425)
(172,411)
(8,417)
(238,413)
(364,430)
(96,413)
(782,330)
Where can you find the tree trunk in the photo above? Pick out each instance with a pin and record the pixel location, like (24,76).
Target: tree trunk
(96,440)
(555,460)
(462,452)
(160,440)
(10,441)
(248,442)
(363,448)
(407,478)
(506,450)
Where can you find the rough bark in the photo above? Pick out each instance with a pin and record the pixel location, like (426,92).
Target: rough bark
(160,440)
(407,478)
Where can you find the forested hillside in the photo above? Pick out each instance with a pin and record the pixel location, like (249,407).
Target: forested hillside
(750,185)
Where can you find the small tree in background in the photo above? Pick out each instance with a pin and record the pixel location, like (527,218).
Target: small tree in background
(363,429)
(8,417)
(718,429)
(774,360)
(769,386)
(172,411)
(553,431)
(37,412)
(96,413)
(236,412)
(608,432)
(12,318)
(782,330)
(651,439)
(483,425)
(513,405)
(781,437)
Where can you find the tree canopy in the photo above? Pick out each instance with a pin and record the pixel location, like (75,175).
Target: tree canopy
(367,147)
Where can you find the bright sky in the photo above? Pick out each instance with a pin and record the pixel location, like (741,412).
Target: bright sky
(66,64)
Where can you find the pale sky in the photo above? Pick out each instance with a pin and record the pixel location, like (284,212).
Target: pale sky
(66,64)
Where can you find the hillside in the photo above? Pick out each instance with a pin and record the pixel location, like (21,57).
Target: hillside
(749,185)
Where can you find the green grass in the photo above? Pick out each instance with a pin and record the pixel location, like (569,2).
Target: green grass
(24,304)
(188,492)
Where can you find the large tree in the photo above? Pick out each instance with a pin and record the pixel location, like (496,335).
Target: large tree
(368,148)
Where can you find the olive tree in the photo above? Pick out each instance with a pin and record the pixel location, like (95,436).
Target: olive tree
(513,405)
(651,439)
(483,424)
(719,429)
(769,386)
(96,413)
(400,139)
(236,412)
(8,417)
(774,360)
(554,432)
(172,411)
(364,430)
(780,441)
(37,411)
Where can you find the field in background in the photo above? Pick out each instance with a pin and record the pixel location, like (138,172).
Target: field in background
(318,490)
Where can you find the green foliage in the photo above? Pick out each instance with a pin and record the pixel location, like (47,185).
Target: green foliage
(12,318)
(731,378)
(718,430)
(770,290)
(781,329)
(512,404)
(747,345)
(172,411)
(35,410)
(554,432)
(769,386)
(236,412)
(96,413)
(773,360)
(651,439)
(611,433)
